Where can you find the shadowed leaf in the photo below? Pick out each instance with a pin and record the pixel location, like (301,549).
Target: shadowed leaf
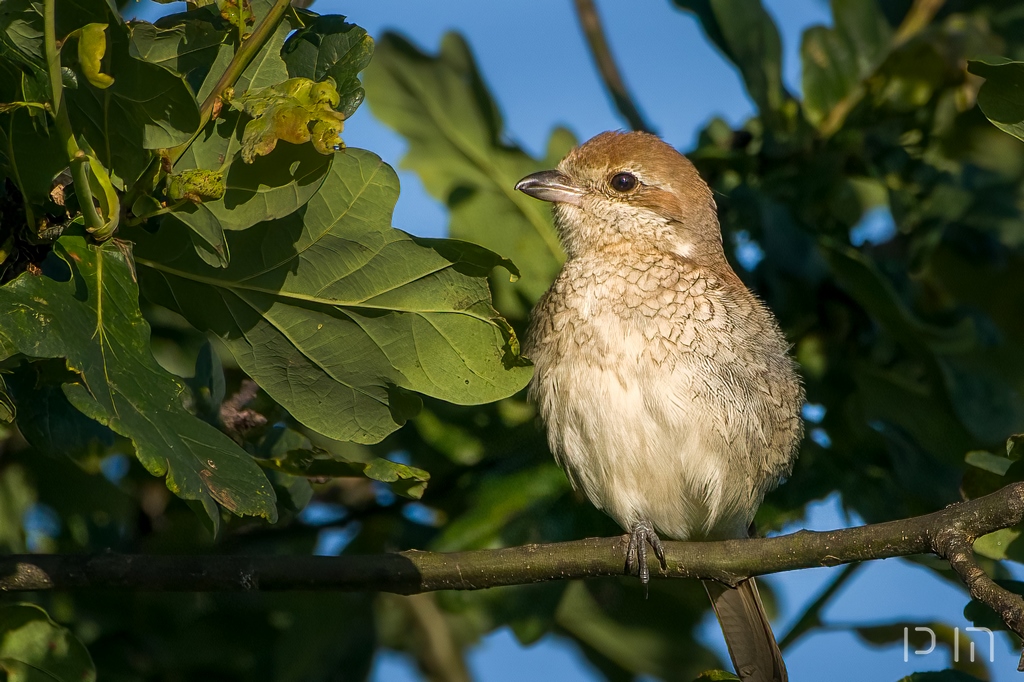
(33,648)
(329,46)
(92,320)
(837,60)
(1001,97)
(405,480)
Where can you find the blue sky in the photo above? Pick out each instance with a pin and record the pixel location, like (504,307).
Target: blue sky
(534,58)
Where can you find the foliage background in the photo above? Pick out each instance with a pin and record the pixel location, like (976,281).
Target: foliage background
(954,200)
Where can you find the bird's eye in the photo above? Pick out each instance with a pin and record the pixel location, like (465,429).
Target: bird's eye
(623,182)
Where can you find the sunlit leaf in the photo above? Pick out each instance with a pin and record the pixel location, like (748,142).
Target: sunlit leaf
(92,45)
(441,107)
(338,316)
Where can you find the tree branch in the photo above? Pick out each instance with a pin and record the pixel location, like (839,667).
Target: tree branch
(948,533)
(590,22)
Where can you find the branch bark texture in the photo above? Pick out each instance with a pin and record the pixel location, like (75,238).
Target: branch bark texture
(948,533)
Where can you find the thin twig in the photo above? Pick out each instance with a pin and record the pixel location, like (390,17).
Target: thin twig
(918,17)
(438,654)
(811,617)
(590,22)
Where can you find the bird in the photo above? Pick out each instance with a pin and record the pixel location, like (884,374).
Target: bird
(665,385)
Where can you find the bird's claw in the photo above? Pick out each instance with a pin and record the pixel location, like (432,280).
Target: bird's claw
(641,534)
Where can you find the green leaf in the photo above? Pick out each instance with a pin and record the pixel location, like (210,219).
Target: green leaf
(105,195)
(837,60)
(716,676)
(457,443)
(190,45)
(1001,96)
(1000,544)
(996,464)
(146,108)
(33,648)
(747,36)
(21,31)
(266,189)
(49,421)
(338,316)
(622,632)
(208,384)
(293,491)
(31,156)
(272,186)
(92,45)
(17,495)
(405,480)
(988,473)
(330,47)
(267,67)
(92,320)
(442,108)
(196,185)
(500,500)
(7,407)
(238,13)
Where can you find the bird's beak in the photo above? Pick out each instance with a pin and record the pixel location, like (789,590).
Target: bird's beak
(550,185)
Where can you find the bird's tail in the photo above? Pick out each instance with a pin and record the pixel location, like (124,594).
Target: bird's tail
(748,634)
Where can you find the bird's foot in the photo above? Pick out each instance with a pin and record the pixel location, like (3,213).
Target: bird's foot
(641,534)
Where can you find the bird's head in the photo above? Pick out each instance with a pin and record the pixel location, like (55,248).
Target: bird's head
(629,190)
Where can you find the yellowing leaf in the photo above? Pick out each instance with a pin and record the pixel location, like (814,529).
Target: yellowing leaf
(92,45)
(297,111)
(196,185)
(237,12)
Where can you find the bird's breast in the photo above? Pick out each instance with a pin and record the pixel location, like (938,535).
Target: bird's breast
(656,385)
(651,309)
